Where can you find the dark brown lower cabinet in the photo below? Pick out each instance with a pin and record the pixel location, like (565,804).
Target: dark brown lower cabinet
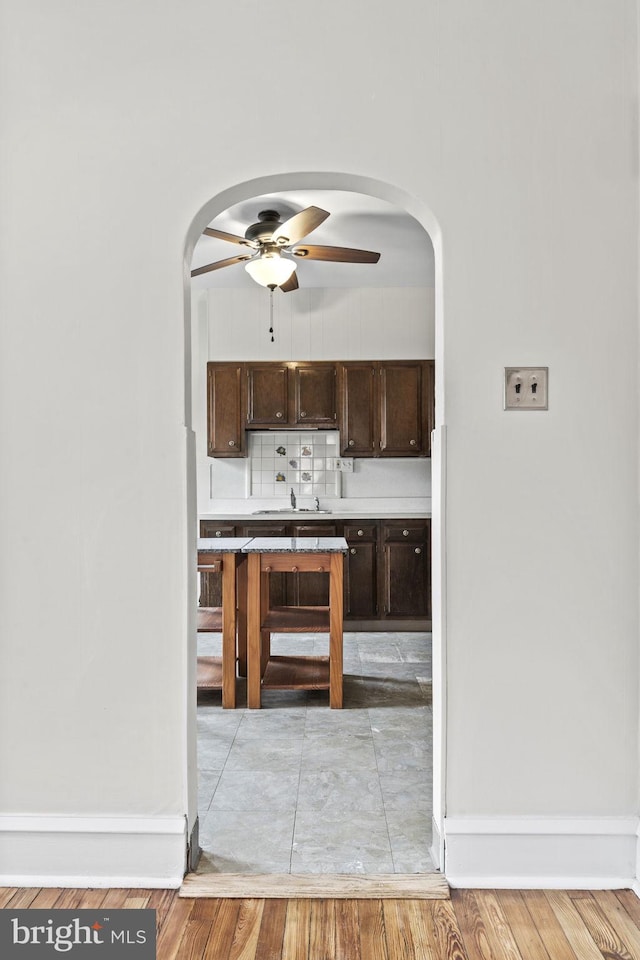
(406,569)
(361,571)
(387,568)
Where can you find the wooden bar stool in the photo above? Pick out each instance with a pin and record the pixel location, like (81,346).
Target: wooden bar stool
(298,555)
(219,673)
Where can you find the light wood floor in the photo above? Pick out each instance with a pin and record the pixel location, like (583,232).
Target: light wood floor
(472,925)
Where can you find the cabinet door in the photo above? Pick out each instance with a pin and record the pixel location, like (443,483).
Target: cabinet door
(267,394)
(225,410)
(360,571)
(314,394)
(406,572)
(309,589)
(211,583)
(358,416)
(405,423)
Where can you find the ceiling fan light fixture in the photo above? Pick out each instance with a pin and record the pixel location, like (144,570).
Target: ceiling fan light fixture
(270,269)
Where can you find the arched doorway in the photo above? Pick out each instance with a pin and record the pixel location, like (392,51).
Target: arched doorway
(421,213)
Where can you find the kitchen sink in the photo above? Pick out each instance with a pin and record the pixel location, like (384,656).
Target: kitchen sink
(289,510)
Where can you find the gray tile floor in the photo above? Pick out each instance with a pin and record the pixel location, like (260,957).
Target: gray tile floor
(298,788)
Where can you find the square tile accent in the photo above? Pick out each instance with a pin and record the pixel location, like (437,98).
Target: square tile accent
(305,462)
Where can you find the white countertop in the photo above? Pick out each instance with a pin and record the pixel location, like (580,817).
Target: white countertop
(372,508)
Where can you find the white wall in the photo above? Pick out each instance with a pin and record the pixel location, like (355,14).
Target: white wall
(514,123)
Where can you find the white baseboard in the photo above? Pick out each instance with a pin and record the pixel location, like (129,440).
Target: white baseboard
(554,853)
(92,851)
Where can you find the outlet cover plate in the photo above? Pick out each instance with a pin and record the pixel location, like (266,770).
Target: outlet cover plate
(526,388)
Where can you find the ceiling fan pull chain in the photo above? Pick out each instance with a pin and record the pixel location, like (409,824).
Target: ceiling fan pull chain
(271,313)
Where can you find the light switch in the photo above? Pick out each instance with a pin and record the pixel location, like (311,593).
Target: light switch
(526,388)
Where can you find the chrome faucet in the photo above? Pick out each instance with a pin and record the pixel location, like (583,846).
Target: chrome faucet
(293,499)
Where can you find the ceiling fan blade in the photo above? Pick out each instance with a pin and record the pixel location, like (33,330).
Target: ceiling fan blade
(299,225)
(336,254)
(219,264)
(290,284)
(231,237)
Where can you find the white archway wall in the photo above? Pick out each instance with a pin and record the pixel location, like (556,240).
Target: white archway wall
(513,124)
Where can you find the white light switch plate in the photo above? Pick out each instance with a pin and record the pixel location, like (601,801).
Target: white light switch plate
(526,388)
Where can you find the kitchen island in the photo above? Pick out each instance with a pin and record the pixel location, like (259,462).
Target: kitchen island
(299,555)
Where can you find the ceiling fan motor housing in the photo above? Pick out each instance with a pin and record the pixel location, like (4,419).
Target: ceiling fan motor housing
(268,222)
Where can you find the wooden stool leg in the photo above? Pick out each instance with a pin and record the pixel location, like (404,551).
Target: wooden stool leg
(335,631)
(229,631)
(253,632)
(241,627)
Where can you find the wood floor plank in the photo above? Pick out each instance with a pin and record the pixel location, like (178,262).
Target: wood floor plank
(274,915)
(91,899)
(422,930)
(46,898)
(173,928)
(6,893)
(160,901)
(347,931)
(603,933)
(295,943)
(245,940)
(524,932)
(398,931)
(471,925)
(194,939)
(446,930)
(631,904)
(548,926)
(372,935)
(136,903)
(499,935)
(412,886)
(620,919)
(222,934)
(23,898)
(115,898)
(582,943)
(322,930)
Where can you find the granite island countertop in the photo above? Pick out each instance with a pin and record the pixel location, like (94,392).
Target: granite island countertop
(296,545)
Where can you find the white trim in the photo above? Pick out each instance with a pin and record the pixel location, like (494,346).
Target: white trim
(43,851)
(541,852)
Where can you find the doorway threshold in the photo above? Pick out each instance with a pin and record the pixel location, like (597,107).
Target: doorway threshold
(312,886)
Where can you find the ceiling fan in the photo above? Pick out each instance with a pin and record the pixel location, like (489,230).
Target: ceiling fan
(274,244)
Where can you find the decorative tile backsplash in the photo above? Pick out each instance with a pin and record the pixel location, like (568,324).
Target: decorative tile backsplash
(305,462)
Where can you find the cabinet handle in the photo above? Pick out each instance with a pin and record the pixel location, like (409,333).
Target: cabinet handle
(352,443)
(303,413)
(218,533)
(353,550)
(279,414)
(232,443)
(361,533)
(413,443)
(405,533)
(418,550)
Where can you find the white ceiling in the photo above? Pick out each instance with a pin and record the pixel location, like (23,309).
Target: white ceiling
(356,221)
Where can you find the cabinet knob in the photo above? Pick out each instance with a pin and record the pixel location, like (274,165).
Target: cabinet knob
(279,414)
(232,443)
(405,533)
(267,569)
(418,550)
(413,443)
(361,533)
(303,413)
(353,550)
(218,533)
(352,443)
(294,569)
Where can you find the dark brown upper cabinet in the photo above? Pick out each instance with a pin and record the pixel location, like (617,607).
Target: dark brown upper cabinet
(267,394)
(225,410)
(315,400)
(386,408)
(291,395)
